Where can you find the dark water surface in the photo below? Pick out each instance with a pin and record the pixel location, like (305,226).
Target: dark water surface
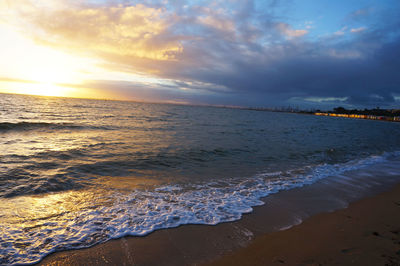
(76,172)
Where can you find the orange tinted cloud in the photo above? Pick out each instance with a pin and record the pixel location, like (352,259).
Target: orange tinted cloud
(289,32)
(132,31)
(121,30)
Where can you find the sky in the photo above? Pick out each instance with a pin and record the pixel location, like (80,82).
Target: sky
(300,53)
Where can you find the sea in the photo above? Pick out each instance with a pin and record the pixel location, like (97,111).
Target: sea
(78,172)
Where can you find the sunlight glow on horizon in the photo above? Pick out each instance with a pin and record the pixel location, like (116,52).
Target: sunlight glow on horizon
(65,57)
(54,90)
(39,89)
(37,70)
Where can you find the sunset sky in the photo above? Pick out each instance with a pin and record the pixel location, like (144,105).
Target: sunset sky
(234,52)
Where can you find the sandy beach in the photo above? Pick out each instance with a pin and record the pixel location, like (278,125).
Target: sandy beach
(365,233)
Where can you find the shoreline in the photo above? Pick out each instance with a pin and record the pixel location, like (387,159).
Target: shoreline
(202,244)
(365,233)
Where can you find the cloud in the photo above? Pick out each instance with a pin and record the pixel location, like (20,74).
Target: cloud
(6,79)
(358,30)
(360,13)
(126,31)
(289,32)
(222,52)
(341,32)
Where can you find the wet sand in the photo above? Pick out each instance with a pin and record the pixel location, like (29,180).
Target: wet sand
(365,233)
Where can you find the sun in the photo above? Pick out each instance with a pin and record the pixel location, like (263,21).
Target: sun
(48,76)
(37,88)
(35,68)
(32,68)
(46,89)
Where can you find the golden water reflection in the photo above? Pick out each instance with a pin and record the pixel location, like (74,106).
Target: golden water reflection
(33,211)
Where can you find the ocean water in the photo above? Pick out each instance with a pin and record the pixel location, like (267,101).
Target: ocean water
(74,172)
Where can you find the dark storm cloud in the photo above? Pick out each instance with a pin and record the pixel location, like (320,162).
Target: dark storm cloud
(265,62)
(363,67)
(366,75)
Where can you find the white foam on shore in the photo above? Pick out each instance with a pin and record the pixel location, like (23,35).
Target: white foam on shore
(142,211)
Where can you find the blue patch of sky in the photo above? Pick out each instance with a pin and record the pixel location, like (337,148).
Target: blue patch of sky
(325,17)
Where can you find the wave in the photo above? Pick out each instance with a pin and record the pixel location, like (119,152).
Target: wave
(142,211)
(19,182)
(26,126)
(62,170)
